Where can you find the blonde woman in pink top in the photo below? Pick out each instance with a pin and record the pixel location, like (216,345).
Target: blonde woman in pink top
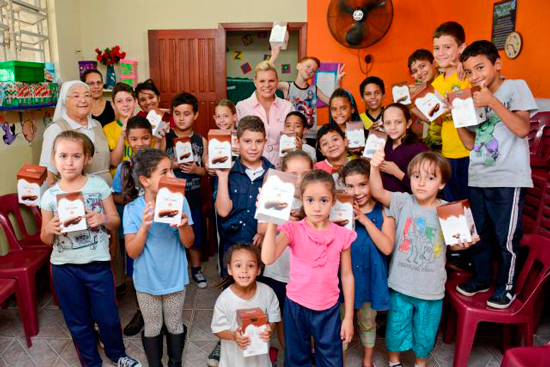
(318,250)
(267,106)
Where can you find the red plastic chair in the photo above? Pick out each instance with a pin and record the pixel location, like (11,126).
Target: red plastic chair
(527,357)
(7,288)
(10,205)
(540,143)
(22,265)
(470,311)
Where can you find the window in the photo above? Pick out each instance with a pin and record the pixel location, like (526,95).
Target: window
(24,32)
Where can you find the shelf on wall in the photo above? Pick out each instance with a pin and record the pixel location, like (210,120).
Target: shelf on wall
(22,108)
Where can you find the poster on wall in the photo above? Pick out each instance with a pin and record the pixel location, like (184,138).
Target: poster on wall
(504,21)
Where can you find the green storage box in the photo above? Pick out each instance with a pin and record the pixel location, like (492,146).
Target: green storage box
(22,71)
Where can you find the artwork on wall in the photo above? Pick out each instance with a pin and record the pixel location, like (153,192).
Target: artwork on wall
(29,129)
(285,68)
(246,68)
(238,55)
(247,40)
(8,130)
(504,21)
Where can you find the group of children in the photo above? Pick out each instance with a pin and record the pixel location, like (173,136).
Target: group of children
(317,274)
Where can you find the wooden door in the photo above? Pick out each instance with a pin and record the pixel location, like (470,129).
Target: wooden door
(190,61)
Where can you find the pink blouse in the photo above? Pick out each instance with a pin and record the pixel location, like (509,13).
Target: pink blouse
(274,122)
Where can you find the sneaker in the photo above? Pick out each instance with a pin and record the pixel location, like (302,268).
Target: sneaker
(135,325)
(501,299)
(472,287)
(200,279)
(214,357)
(128,362)
(394,365)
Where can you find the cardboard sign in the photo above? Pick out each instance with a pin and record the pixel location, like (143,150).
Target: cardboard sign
(183,150)
(342,211)
(31,184)
(375,141)
(71,211)
(219,149)
(252,322)
(355,133)
(401,93)
(464,112)
(275,200)
(428,103)
(169,202)
(279,35)
(457,222)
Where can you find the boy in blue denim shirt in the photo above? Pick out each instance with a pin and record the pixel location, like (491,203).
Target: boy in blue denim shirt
(236,190)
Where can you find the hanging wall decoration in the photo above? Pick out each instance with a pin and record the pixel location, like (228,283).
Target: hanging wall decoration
(267,57)
(238,55)
(247,40)
(8,130)
(246,68)
(47,119)
(29,129)
(285,68)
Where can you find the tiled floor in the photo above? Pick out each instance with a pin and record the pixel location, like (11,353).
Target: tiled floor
(53,346)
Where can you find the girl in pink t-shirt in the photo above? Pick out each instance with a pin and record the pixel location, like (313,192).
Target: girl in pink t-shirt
(319,249)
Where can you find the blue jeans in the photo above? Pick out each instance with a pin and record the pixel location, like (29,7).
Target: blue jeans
(86,295)
(497,214)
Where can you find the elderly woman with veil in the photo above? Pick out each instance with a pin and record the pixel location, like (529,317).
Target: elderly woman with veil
(73,112)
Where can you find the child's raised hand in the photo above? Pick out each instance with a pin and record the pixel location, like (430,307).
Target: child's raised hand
(147,218)
(484,97)
(95,219)
(265,335)
(378,158)
(340,73)
(222,173)
(257,240)
(242,341)
(54,226)
(299,143)
(346,331)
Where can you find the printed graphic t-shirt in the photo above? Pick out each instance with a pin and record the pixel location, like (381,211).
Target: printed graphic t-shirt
(81,247)
(417,268)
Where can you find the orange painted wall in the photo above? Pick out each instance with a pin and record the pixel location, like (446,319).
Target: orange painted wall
(412,27)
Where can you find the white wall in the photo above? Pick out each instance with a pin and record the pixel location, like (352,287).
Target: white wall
(65,35)
(105,23)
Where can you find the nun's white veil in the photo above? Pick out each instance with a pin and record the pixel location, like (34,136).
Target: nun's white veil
(61,107)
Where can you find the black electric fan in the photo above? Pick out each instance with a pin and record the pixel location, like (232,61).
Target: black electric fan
(359,23)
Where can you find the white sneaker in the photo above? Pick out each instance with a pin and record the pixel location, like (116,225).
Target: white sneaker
(128,362)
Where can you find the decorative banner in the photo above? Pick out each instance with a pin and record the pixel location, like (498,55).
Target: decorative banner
(246,68)
(262,34)
(29,130)
(238,55)
(267,57)
(285,68)
(247,40)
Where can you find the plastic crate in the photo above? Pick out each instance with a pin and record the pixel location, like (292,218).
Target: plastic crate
(21,71)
